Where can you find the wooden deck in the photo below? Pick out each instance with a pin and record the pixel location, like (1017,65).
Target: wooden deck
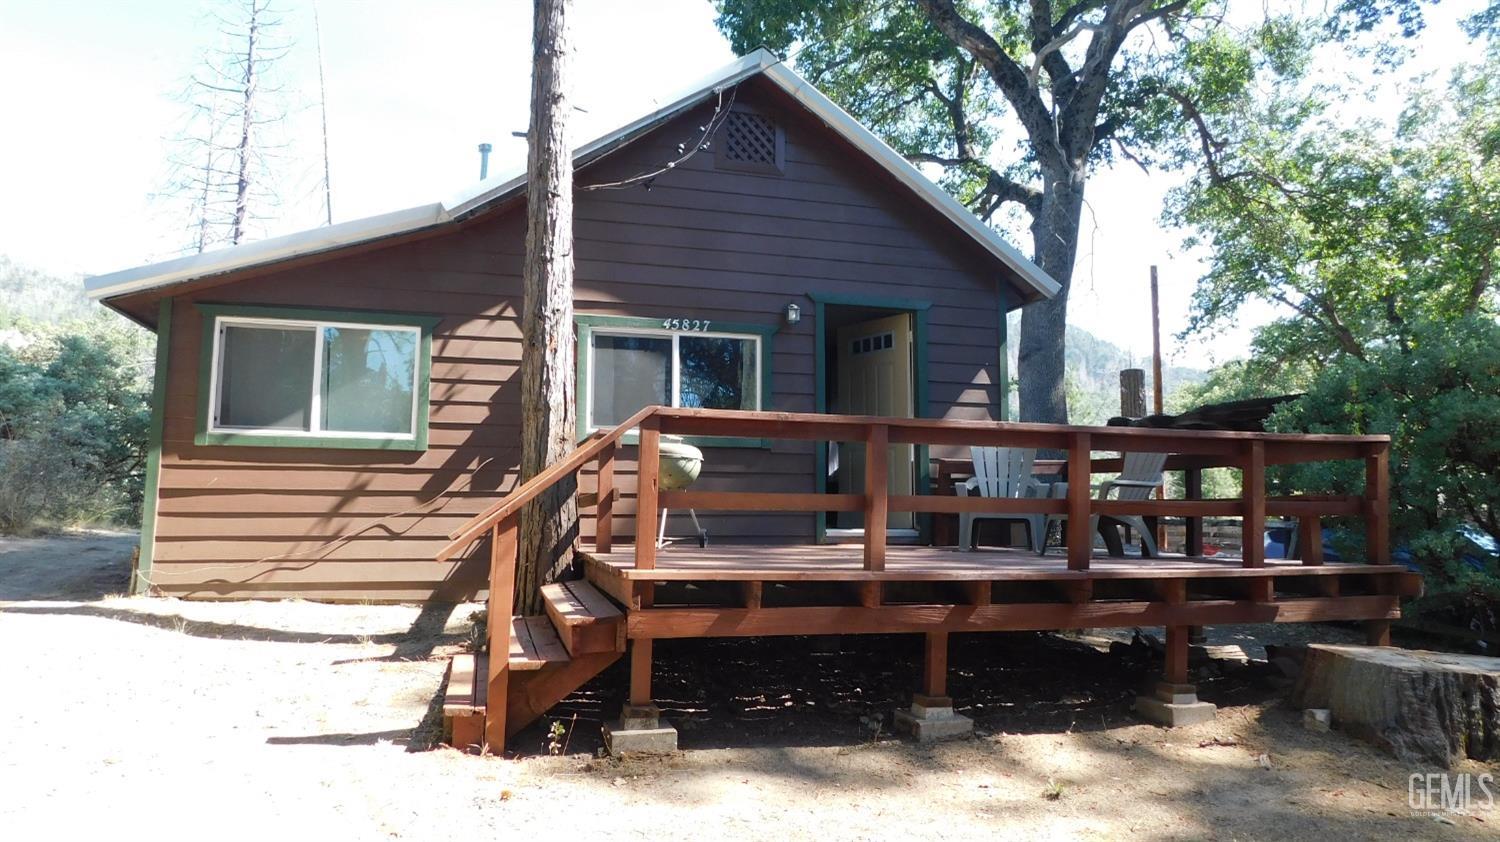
(881,588)
(735,591)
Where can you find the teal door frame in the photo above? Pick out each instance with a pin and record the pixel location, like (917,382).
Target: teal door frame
(918,310)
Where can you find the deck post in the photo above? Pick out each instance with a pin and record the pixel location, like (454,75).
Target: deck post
(1080,542)
(931,716)
(1378,632)
(1174,701)
(647,506)
(1176,670)
(935,665)
(1310,540)
(877,494)
(1192,486)
(604,509)
(1377,505)
(1253,496)
(498,620)
(640,672)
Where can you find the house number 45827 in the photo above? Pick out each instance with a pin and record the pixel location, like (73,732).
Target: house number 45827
(685,324)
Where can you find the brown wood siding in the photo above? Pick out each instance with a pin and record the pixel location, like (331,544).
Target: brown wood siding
(703,242)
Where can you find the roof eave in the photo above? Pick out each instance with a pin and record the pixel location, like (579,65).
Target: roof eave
(264,252)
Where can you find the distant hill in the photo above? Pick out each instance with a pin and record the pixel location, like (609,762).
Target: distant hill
(33,295)
(1093,371)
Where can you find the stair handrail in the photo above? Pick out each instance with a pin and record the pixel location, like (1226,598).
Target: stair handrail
(511,503)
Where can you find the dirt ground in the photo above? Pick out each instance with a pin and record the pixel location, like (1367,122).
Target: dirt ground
(157,719)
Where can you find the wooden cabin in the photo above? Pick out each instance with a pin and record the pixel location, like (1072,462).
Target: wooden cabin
(796,264)
(336,416)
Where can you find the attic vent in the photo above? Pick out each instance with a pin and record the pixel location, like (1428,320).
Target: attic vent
(750,141)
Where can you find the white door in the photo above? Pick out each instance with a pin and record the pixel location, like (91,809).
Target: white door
(874,374)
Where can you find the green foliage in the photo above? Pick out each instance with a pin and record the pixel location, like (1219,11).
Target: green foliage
(1439,401)
(1378,243)
(1354,233)
(74,413)
(890,66)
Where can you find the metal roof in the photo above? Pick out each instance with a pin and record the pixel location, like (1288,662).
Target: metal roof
(500,188)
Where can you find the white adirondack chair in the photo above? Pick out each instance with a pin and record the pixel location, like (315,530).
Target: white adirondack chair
(1001,472)
(1140,476)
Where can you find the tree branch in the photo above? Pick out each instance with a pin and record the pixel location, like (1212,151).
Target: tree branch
(1003,190)
(1007,75)
(1212,147)
(1046,45)
(1483,277)
(940,160)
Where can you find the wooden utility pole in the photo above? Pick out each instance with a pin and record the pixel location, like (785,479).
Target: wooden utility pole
(549,525)
(1132,393)
(1156,406)
(1156,402)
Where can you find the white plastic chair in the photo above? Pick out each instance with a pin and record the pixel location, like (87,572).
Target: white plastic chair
(1001,472)
(1139,478)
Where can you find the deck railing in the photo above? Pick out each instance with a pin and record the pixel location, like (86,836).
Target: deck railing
(1191,450)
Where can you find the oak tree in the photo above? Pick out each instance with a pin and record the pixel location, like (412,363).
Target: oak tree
(1017,102)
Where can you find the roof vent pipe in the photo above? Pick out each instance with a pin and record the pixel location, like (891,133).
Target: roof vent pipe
(484,161)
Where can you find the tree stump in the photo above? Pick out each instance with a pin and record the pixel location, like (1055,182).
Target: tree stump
(1418,705)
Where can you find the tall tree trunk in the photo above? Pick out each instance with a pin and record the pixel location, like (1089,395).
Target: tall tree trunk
(247,121)
(1041,361)
(549,525)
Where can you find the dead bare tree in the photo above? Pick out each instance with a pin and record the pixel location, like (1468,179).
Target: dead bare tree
(323,108)
(549,525)
(223,156)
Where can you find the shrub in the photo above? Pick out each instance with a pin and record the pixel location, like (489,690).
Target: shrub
(74,413)
(1438,397)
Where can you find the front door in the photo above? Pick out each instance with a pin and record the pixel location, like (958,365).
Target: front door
(874,377)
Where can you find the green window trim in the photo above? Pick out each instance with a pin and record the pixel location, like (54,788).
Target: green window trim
(586,324)
(213,312)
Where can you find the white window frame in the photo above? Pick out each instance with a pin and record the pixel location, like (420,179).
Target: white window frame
(315,422)
(675,336)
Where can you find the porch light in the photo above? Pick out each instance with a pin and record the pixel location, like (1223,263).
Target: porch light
(793,314)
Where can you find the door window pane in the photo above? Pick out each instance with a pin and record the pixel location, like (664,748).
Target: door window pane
(265,377)
(629,372)
(368,379)
(718,372)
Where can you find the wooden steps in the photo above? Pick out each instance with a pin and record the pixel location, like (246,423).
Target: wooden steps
(550,656)
(463,702)
(586,621)
(534,644)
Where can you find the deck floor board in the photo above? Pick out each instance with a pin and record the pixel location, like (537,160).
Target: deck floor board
(845,562)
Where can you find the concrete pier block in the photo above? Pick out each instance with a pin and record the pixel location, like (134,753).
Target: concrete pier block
(932,718)
(639,730)
(1174,705)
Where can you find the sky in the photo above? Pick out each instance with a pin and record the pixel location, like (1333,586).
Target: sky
(90,94)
